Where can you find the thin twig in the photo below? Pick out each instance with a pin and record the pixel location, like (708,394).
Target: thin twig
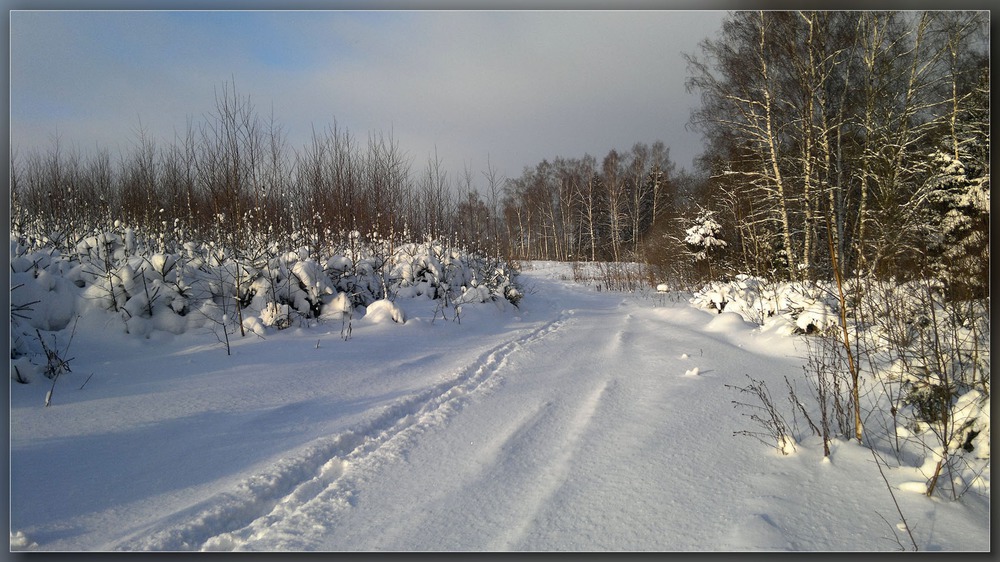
(86,381)
(896,503)
(893,531)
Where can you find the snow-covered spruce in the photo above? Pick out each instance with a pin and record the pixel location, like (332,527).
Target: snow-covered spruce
(704,235)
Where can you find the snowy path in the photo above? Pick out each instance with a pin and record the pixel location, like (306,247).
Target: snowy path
(596,422)
(537,431)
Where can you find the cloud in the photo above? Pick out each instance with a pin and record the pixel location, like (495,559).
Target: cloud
(517,86)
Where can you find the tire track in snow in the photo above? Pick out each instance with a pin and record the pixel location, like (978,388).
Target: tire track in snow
(322,473)
(557,471)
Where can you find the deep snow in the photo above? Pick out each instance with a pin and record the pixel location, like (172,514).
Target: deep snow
(582,420)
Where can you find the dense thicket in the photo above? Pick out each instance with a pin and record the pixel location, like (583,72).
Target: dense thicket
(233,176)
(864,132)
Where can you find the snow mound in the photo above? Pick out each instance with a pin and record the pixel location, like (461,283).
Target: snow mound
(779,326)
(816,315)
(786,445)
(383,311)
(728,322)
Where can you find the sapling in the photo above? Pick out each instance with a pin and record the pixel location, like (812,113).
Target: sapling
(794,399)
(55,364)
(225,331)
(101,255)
(846,340)
(219,298)
(149,297)
(766,415)
(702,238)
(347,319)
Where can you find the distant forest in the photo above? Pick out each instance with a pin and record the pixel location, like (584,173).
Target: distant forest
(856,141)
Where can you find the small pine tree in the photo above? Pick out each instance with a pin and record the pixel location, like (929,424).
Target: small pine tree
(703,237)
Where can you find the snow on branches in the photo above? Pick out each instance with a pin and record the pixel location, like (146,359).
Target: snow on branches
(703,235)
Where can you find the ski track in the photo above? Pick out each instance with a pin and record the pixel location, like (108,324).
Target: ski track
(322,475)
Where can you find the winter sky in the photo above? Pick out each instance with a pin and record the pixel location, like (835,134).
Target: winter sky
(515,86)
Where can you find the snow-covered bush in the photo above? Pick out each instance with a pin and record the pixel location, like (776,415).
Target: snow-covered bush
(432,271)
(276,315)
(41,298)
(384,310)
(176,285)
(922,358)
(810,306)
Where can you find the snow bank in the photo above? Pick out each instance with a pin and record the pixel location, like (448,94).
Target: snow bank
(728,322)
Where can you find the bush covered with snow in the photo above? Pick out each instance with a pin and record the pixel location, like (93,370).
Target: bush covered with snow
(811,307)
(922,360)
(383,311)
(179,286)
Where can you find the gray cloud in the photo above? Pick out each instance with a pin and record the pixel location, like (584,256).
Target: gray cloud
(517,86)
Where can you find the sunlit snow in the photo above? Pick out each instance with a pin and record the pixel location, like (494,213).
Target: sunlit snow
(578,421)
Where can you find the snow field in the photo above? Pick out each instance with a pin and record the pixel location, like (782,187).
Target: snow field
(567,424)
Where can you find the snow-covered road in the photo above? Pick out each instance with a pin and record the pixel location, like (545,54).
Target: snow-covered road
(585,421)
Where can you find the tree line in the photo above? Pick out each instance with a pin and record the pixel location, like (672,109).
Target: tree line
(851,143)
(859,139)
(233,175)
(585,210)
